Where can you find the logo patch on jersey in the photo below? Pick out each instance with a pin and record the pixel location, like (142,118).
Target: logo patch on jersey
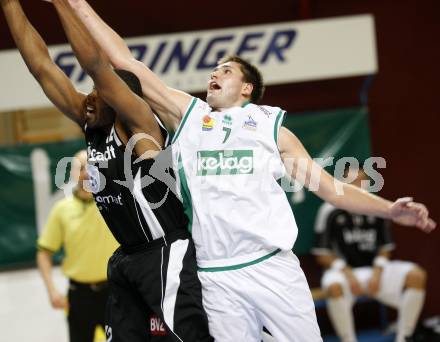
(227,120)
(207,123)
(94,155)
(157,328)
(225,162)
(250,124)
(93,182)
(109,199)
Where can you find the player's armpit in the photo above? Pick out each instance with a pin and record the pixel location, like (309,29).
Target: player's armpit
(168,103)
(132,111)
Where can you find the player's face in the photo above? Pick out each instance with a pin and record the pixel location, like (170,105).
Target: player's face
(98,113)
(79,168)
(226,86)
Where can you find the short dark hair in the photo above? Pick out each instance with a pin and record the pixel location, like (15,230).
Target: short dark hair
(251,75)
(131,80)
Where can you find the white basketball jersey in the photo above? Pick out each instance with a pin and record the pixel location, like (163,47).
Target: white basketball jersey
(228,165)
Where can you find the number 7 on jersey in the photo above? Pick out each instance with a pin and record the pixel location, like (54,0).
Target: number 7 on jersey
(227,134)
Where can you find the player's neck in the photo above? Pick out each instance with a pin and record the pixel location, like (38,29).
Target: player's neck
(239,103)
(83,195)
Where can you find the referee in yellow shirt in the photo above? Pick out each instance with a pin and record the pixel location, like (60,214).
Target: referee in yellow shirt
(76,225)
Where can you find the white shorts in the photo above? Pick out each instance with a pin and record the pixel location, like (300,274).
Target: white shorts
(391,283)
(273,293)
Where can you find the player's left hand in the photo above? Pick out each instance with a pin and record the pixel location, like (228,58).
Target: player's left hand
(408,213)
(374,282)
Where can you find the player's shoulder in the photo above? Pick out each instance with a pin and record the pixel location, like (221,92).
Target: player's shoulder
(326,208)
(325,212)
(198,105)
(270,112)
(67,200)
(63,204)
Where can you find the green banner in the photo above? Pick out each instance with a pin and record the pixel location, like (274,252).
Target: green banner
(338,134)
(28,191)
(23,170)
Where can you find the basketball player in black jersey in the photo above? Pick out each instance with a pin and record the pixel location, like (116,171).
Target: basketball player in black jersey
(153,276)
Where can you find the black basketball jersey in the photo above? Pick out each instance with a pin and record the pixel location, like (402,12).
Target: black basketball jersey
(136,197)
(354,238)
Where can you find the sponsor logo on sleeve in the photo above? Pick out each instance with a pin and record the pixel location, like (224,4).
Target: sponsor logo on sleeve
(265,111)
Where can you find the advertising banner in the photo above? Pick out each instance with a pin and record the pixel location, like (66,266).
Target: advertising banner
(284,52)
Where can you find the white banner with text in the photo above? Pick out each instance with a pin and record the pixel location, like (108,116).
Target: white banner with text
(285,53)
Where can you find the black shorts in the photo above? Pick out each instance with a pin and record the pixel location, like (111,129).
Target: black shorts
(155,295)
(87,303)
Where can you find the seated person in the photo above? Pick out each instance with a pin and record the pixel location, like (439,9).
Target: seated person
(355,252)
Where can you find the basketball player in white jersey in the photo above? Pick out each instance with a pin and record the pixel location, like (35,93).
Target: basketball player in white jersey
(230,153)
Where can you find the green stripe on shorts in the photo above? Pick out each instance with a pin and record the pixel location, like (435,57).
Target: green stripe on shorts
(237,267)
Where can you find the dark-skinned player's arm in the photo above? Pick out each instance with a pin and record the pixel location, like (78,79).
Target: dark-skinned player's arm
(55,84)
(131,110)
(169,103)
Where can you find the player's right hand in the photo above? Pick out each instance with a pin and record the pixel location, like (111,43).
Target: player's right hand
(58,300)
(406,212)
(355,286)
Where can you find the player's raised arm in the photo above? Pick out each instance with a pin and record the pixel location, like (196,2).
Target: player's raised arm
(56,85)
(130,108)
(170,104)
(299,164)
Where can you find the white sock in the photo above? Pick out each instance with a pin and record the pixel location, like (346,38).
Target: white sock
(341,315)
(409,311)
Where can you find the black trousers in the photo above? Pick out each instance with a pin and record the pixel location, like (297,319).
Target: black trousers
(87,307)
(155,295)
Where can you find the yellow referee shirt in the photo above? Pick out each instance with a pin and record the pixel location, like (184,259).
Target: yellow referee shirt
(77,225)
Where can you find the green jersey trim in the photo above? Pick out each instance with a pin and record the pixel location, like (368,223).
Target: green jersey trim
(245,103)
(237,267)
(278,122)
(186,195)
(185,117)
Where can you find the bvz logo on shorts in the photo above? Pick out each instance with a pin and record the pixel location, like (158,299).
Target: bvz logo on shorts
(157,328)
(225,162)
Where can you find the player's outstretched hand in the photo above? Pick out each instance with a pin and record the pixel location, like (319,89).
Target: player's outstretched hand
(408,213)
